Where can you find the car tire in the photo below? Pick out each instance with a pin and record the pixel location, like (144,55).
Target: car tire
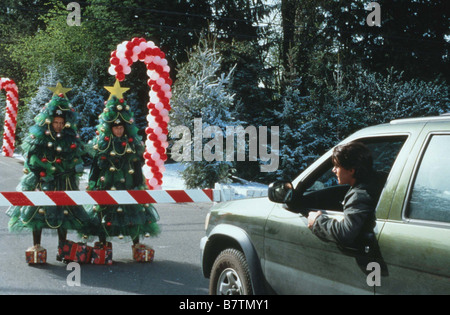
(230,274)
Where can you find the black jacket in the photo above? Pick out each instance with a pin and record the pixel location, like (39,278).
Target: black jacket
(359,219)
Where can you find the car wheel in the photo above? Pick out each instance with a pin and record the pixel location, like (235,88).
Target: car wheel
(230,274)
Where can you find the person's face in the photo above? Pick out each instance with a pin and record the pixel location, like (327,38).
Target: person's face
(58,124)
(344,176)
(118,131)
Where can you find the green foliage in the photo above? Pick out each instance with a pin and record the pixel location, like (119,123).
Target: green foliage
(203,92)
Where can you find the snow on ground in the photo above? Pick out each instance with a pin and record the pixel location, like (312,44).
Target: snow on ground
(172,180)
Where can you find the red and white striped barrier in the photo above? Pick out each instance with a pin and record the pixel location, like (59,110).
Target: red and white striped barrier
(107,197)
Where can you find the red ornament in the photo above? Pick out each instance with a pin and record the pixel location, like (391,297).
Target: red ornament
(106,138)
(130,140)
(103,157)
(124,144)
(108,223)
(58,161)
(44,160)
(73,146)
(42,174)
(121,101)
(61,95)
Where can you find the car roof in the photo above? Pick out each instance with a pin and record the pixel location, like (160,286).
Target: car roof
(443,117)
(403,125)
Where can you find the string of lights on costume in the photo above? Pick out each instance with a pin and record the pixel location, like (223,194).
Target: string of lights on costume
(117,165)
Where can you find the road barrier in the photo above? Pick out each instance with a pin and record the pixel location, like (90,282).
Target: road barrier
(123,197)
(109,197)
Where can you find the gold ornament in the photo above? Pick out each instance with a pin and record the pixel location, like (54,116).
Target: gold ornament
(67,125)
(119,210)
(41,211)
(112,169)
(66,212)
(119,107)
(131,172)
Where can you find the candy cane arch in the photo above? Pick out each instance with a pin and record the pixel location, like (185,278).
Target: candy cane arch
(12,101)
(160,93)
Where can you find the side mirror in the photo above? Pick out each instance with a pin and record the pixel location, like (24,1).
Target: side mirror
(281,192)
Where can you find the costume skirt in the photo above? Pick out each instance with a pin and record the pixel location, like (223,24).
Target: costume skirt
(124,221)
(48,217)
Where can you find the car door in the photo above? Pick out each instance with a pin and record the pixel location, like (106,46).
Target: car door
(415,241)
(296,261)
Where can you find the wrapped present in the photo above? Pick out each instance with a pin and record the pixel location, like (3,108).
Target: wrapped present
(102,254)
(143,253)
(76,252)
(36,255)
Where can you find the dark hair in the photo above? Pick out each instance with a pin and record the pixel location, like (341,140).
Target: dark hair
(354,155)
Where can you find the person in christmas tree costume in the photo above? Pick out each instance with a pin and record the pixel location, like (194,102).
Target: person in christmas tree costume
(53,162)
(117,165)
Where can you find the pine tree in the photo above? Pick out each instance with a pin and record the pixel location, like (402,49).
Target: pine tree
(201,92)
(88,102)
(26,116)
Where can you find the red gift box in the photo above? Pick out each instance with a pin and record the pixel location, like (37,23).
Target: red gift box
(102,254)
(143,253)
(36,255)
(76,252)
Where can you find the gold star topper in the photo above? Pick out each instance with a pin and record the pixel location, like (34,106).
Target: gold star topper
(116,90)
(59,89)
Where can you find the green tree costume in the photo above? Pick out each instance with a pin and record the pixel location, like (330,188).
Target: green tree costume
(117,165)
(52,163)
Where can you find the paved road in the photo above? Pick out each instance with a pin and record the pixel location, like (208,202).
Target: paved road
(176,269)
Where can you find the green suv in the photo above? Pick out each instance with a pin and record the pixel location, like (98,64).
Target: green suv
(264,245)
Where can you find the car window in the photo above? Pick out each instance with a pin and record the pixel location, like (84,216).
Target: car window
(384,152)
(430,194)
